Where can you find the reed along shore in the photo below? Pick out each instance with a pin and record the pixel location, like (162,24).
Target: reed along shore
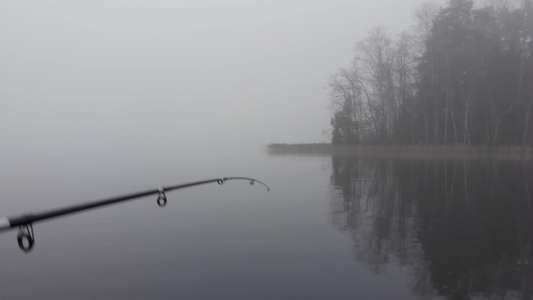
(406,151)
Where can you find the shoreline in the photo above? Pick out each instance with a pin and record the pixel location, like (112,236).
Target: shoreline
(405,151)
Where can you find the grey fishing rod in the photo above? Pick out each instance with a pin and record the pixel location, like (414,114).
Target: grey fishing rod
(26,237)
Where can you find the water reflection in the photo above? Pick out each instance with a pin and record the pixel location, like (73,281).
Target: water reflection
(465,228)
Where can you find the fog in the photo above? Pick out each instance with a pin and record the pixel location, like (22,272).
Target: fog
(106,98)
(106,76)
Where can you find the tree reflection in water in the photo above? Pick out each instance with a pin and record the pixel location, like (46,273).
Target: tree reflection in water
(464,227)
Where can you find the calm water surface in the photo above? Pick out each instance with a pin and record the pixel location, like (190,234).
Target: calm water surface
(331,228)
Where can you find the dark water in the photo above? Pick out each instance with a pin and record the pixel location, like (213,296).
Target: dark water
(331,228)
(464,227)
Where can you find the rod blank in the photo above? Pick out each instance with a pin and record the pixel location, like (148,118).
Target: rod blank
(25,221)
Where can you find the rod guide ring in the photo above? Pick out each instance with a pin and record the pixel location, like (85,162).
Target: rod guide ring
(25,237)
(162,197)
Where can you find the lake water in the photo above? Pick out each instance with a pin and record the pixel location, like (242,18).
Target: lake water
(331,228)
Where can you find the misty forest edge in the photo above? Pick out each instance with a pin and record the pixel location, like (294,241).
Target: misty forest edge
(462,77)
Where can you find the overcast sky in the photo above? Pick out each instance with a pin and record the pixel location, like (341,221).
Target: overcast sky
(104,75)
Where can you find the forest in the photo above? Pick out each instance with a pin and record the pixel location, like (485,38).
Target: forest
(462,75)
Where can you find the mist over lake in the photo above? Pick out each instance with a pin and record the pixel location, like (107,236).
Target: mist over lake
(238,149)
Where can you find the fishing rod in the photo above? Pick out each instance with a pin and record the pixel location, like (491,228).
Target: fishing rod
(26,237)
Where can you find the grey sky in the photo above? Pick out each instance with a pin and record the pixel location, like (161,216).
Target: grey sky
(104,75)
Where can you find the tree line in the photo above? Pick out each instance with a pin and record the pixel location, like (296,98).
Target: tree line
(461,75)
